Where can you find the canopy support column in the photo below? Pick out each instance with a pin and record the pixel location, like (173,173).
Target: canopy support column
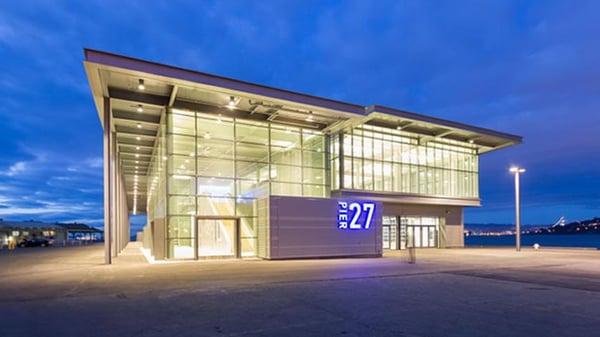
(107,153)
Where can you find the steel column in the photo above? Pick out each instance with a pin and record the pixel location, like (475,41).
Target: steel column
(107,182)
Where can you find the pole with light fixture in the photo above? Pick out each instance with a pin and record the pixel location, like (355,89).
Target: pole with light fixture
(517,172)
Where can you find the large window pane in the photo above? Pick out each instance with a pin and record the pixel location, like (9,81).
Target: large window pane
(216,187)
(357,173)
(250,132)
(313,176)
(217,127)
(313,140)
(183,165)
(245,207)
(314,159)
(212,167)
(286,173)
(214,206)
(286,156)
(251,189)
(314,190)
(286,189)
(285,137)
(215,148)
(348,172)
(182,205)
(181,226)
(182,124)
(249,170)
(252,152)
(185,145)
(184,185)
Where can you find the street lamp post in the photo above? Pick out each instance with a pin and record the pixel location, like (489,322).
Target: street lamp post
(517,172)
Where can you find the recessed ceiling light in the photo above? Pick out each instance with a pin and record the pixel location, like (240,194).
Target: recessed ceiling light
(207,135)
(137,155)
(310,117)
(137,147)
(141,85)
(139,126)
(138,138)
(140,108)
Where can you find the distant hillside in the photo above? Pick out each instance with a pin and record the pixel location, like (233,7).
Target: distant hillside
(577,227)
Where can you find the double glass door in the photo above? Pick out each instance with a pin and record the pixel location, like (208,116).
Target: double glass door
(217,237)
(410,231)
(421,236)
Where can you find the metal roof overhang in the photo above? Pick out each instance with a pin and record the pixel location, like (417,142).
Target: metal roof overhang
(114,76)
(427,128)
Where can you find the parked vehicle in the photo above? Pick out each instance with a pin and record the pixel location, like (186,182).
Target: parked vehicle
(35,242)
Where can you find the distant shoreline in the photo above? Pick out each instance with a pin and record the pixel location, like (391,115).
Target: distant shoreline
(523,234)
(574,240)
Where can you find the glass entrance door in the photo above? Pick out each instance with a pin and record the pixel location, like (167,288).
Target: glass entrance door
(217,237)
(386,237)
(390,232)
(421,232)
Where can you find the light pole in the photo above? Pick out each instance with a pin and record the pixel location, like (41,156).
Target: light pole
(517,172)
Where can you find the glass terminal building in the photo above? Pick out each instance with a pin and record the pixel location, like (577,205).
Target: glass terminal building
(226,168)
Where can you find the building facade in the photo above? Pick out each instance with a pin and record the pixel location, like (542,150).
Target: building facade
(225,168)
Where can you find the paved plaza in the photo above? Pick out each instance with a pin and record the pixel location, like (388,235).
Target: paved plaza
(454,292)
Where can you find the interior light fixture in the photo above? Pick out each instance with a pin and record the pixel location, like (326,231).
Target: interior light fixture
(207,135)
(139,126)
(140,108)
(141,85)
(137,147)
(138,138)
(471,141)
(137,155)
(137,161)
(219,119)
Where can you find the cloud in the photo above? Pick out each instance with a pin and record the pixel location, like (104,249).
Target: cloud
(16,169)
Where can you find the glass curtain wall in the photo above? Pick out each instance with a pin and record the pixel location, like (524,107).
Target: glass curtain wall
(156,184)
(221,166)
(386,160)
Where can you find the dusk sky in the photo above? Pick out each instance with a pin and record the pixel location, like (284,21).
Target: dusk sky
(530,68)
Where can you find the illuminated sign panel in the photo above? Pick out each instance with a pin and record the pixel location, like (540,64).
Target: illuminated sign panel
(355,215)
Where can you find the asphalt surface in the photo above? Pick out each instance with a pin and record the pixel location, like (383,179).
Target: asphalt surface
(455,292)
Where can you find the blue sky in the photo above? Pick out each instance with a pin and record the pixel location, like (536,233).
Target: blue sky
(526,67)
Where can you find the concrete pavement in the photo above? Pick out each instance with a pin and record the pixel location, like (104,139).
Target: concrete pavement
(456,292)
